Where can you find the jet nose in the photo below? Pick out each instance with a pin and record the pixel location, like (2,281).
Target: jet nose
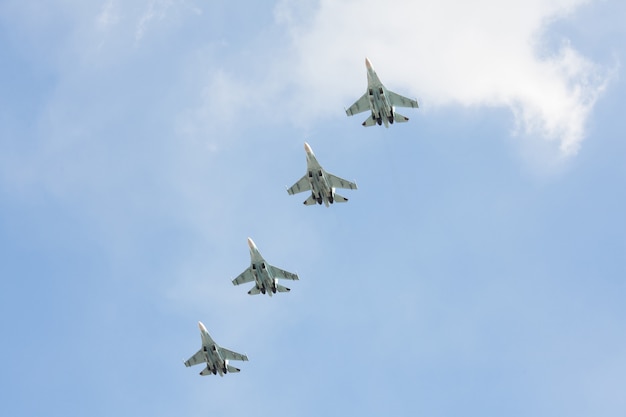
(251,244)
(201,327)
(307,148)
(368,64)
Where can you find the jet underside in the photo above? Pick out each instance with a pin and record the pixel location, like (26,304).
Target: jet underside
(320,183)
(264,275)
(380,102)
(215,357)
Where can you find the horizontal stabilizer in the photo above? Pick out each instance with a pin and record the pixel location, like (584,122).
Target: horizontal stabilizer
(206,371)
(310,201)
(254,291)
(339,198)
(231,369)
(280,288)
(398,118)
(370,121)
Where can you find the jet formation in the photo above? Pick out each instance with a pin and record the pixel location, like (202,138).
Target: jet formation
(380,101)
(322,184)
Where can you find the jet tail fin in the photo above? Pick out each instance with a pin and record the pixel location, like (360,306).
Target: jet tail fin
(370,121)
(254,291)
(231,369)
(339,198)
(398,118)
(280,288)
(310,201)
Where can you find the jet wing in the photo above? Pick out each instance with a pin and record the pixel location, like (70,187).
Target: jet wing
(337,182)
(245,276)
(196,359)
(281,273)
(400,101)
(303,184)
(232,356)
(361,105)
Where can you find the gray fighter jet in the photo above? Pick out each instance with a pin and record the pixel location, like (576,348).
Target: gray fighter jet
(214,356)
(380,101)
(264,275)
(321,183)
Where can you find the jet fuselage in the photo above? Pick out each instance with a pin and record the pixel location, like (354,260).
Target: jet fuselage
(382,110)
(321,189)
(215,363)
(263,277)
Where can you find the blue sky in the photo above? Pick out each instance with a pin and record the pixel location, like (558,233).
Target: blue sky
(479,269)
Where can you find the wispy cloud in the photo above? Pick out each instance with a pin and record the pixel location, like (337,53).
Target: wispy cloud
(153,12)
(108,15)
(221,102)
(478,53)
(159,10)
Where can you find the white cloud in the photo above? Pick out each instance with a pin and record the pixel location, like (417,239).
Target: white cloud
(476,53)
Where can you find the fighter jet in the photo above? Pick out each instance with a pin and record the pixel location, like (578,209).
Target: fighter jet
(264,275)
(380,101)
(214,356)
(321,183)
